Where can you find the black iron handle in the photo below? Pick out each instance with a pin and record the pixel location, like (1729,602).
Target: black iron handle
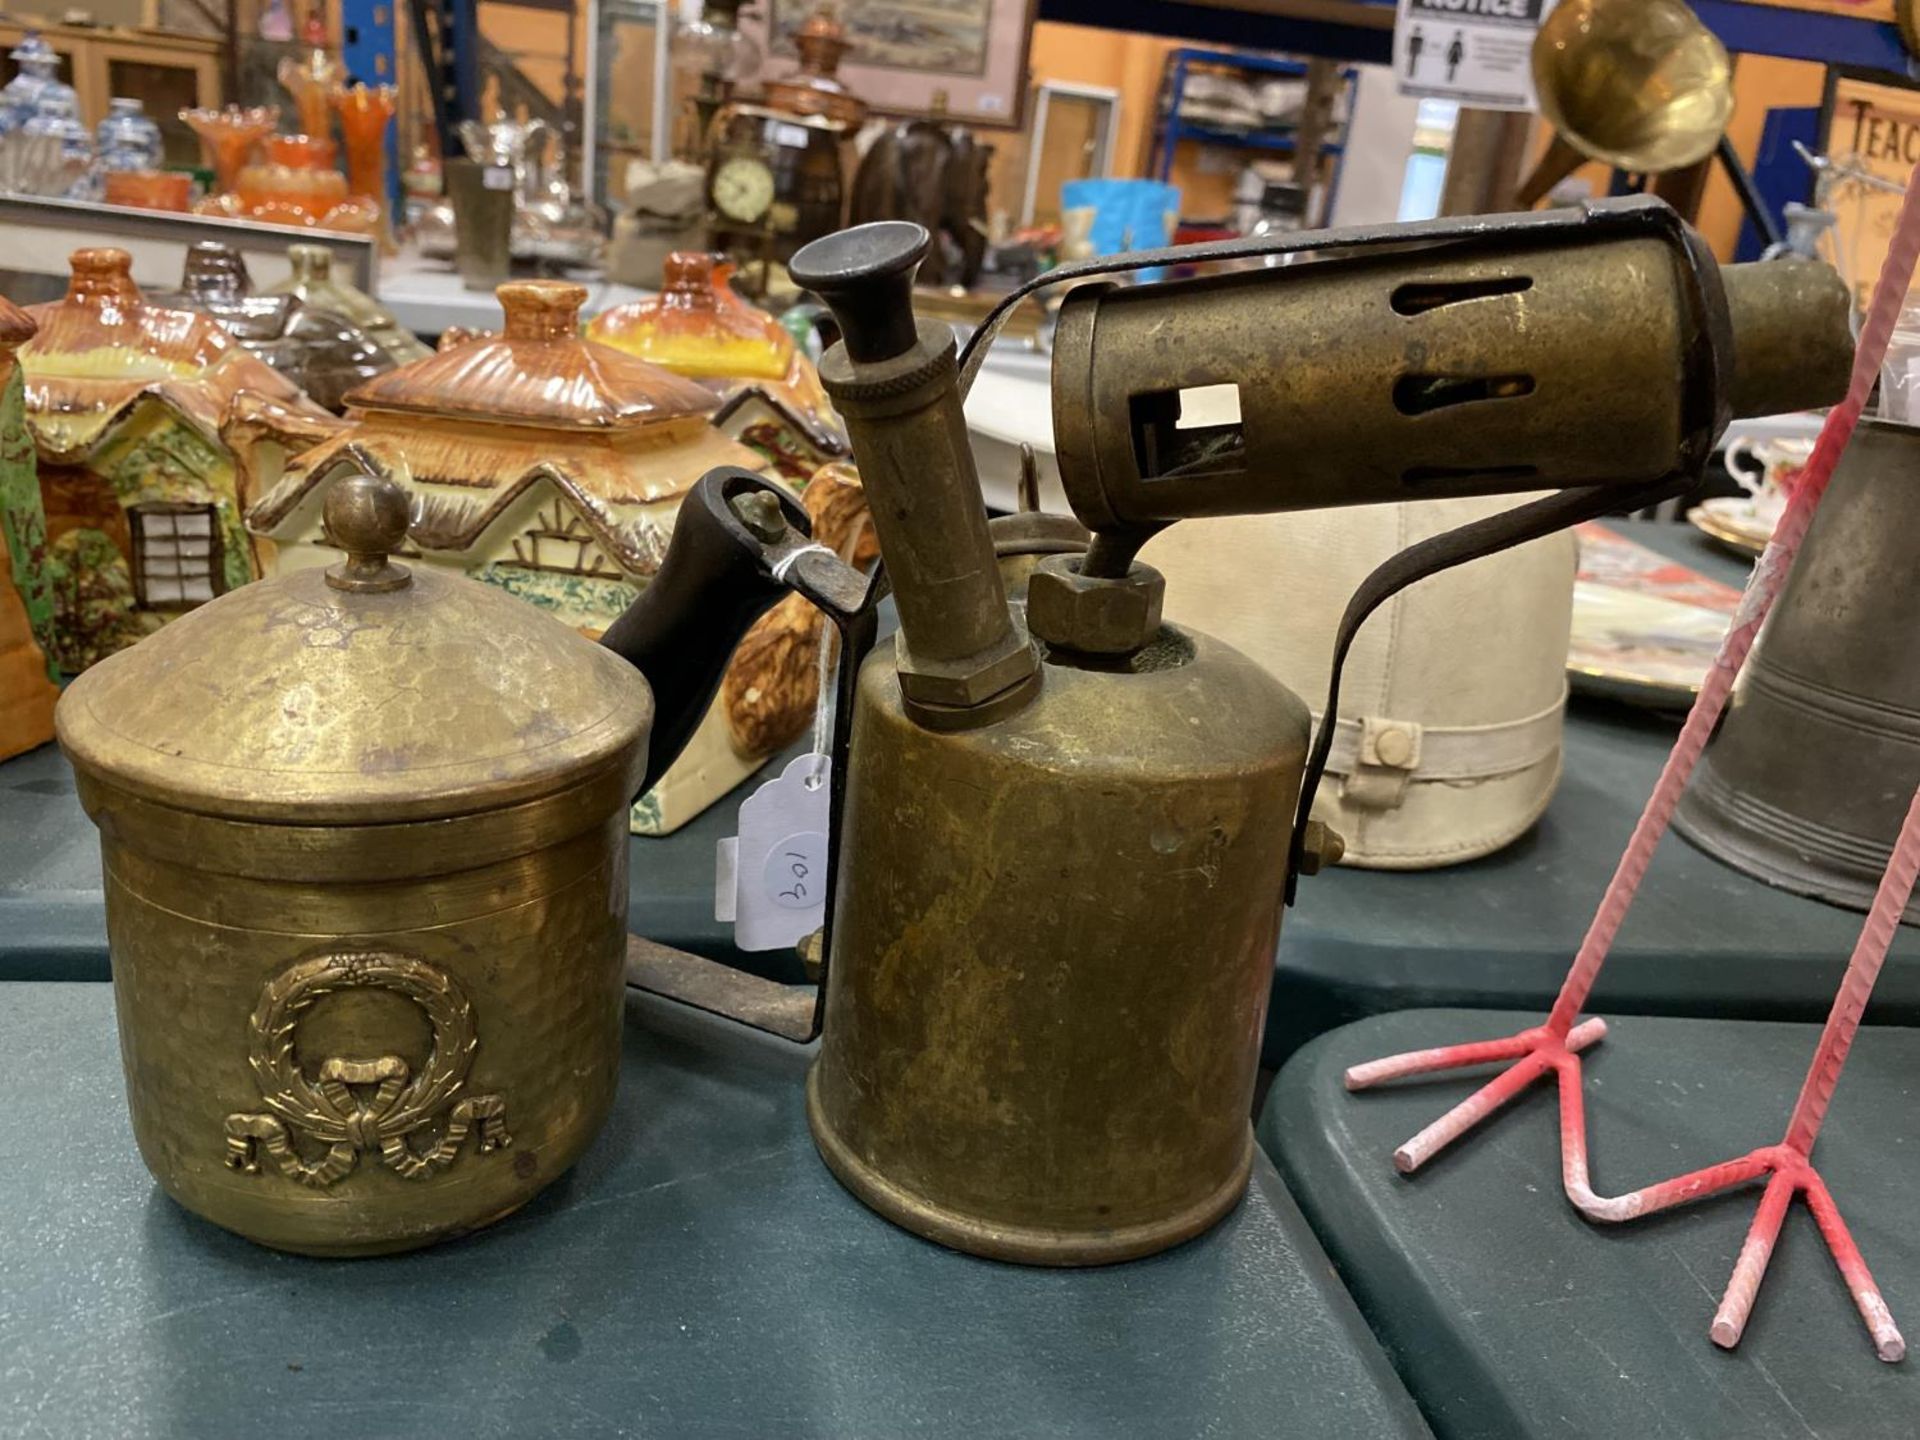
(720,574)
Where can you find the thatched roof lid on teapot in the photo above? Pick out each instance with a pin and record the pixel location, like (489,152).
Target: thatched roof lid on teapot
(321,351)
(471,430)
(538,371)
(699,328)
(310,278)
(104,348)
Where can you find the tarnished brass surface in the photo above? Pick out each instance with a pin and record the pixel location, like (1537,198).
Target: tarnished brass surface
(1791,335)
(963,658)
(1392,377)
(1092,615)
(959,647)
(1641,85)
(364,834)
(1045,1001)
(296,701)
(1051,944)
(719,989)
(526,957)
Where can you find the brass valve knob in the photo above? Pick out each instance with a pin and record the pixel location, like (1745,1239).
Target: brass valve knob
(1320,847)
(866,277)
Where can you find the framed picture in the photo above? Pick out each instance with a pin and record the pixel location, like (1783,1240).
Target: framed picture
(1072,139)
(1879,11)
(961,60)
(629,93)
(1870,130)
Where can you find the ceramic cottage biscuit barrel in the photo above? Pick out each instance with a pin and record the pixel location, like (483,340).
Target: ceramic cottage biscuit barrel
(365,843)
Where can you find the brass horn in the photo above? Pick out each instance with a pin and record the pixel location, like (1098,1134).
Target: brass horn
(1641,85)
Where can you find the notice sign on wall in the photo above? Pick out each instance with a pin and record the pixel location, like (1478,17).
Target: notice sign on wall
(1478,52)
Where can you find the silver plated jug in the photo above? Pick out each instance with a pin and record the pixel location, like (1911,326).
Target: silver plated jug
(1807,782)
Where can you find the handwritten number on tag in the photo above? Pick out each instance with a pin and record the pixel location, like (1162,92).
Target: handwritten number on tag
(797,863)
(790,869)
(778,878)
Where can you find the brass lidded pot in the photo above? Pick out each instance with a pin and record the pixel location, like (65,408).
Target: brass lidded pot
(365,842)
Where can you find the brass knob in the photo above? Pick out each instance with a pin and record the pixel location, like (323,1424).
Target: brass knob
(1321,846)
(367,516)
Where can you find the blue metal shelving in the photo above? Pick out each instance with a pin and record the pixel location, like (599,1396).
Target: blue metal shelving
(1169,129)
(367,48)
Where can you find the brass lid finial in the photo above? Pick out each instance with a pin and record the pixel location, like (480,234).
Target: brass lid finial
(367,514)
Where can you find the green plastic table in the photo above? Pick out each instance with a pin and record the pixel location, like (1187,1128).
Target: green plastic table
(1507,1315)
(698,1274)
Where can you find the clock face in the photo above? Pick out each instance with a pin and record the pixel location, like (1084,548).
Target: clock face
(742,189)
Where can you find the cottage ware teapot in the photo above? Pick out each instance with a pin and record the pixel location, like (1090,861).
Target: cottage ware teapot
(365,840)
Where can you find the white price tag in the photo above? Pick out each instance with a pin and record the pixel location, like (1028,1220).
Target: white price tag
(794,137)
(771,879)
(497,177)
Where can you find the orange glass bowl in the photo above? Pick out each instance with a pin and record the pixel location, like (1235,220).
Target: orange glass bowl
(230,135)
(300,152)
(147,189)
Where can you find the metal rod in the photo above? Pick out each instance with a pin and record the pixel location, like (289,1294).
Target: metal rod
(1863,968)
(1750,198)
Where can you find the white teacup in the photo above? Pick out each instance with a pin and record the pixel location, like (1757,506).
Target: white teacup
(1760,468)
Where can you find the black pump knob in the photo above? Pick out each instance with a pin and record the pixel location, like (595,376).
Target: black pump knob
(866,277)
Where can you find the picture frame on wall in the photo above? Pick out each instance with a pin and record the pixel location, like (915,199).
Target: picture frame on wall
(1869,121)
(959,60)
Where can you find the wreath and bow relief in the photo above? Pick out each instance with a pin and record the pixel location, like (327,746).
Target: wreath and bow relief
(320,1118)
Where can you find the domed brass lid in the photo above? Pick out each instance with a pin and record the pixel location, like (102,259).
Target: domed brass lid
(365,692)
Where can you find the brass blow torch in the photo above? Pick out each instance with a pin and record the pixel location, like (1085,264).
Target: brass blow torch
(1070,832)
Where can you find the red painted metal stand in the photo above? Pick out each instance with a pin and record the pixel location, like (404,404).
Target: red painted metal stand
(1554,1047)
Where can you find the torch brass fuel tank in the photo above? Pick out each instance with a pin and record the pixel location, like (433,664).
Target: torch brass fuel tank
(1051,949)
(1043,1024)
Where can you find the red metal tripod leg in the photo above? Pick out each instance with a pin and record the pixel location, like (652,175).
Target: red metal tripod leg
(1790,1161)
(1751,1268)
(1887,1341)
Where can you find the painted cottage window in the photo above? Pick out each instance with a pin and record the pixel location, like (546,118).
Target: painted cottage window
(559,540)
(176,554)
